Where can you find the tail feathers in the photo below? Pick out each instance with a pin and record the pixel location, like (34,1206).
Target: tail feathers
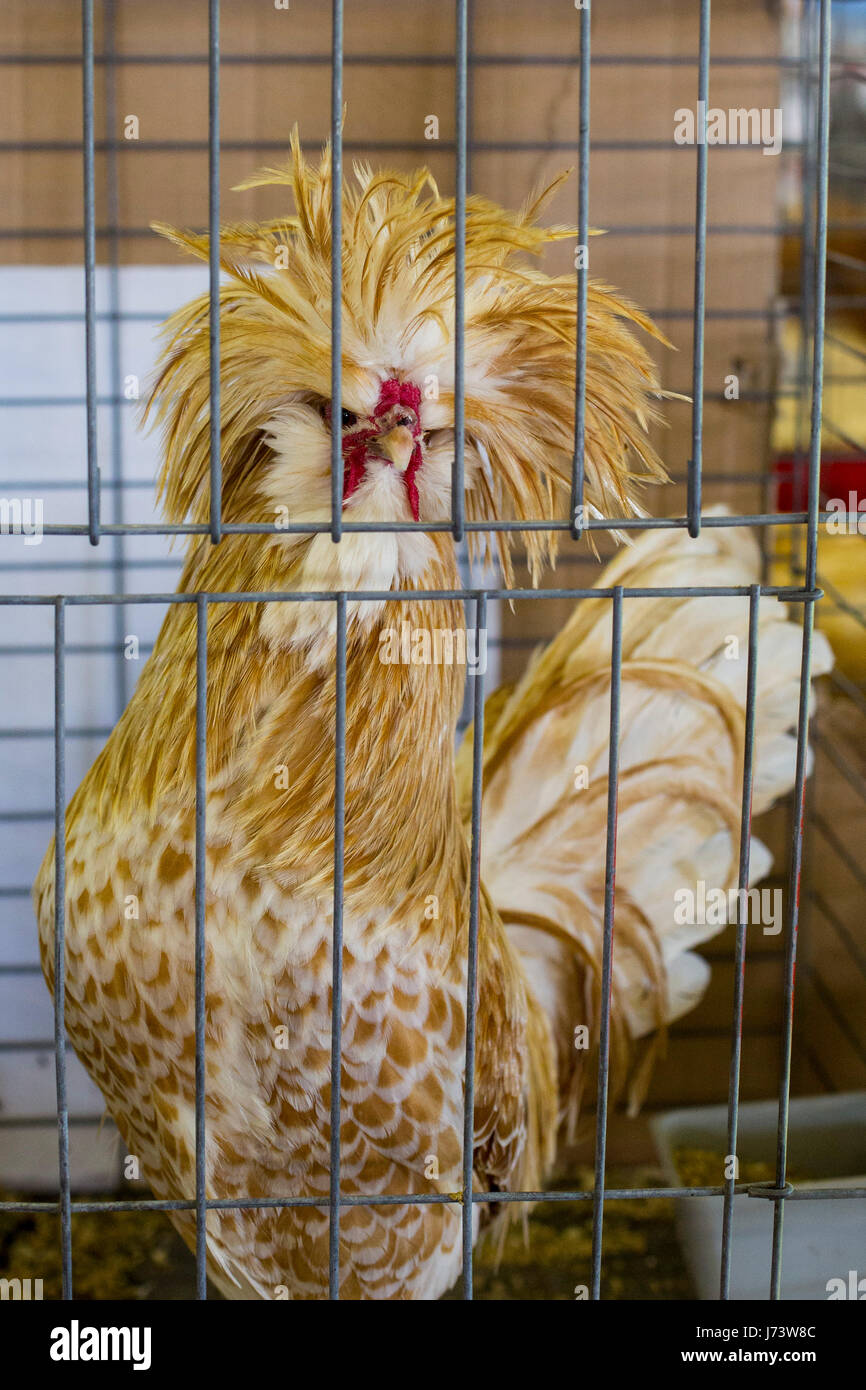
(683,721)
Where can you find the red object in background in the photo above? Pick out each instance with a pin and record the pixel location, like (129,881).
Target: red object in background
(840,477)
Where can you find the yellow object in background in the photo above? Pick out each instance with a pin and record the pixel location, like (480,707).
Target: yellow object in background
(842,576)
(841,546)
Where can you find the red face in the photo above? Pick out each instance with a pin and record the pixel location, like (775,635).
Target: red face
(391,433)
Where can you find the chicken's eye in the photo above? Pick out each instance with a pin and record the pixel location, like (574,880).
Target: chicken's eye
(348,418)
(407,420)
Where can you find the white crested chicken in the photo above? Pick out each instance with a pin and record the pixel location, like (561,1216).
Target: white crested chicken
(130,850)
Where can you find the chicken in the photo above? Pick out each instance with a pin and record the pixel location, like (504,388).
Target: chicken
(271,704)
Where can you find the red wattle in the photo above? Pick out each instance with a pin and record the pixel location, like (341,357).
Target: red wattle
(391,393)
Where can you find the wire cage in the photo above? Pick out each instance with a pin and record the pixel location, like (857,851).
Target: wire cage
(102,540)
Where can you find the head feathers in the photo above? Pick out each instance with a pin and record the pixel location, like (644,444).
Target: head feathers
(398,318)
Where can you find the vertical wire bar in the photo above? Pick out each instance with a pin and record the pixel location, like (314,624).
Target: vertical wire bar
(213,144)
(607,948)
(740,951)
(336,270)
(458,505)
(472,955)
(88,138)
(806,317)
(337,949)
(820,293)
(821,180)
(799,469)
(696,461)
(60,942)
(118,542)
(577,462)
(200,909)
(470,90)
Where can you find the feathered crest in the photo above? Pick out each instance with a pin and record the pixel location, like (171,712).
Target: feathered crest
(398,313)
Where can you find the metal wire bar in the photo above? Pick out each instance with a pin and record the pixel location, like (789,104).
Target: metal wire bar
(9,402)
(88,145)
(251,146)
(695,463)
(267,528)
(213,147)
(334,1199)
(607,945)
(64,1202)
(115,399)
(771,313)
(807,260)
(472,958)
(425,1199)
(200,943)
(752,477)
(458,501)
(740,949)
(336,527)
(115,319)
(692,1034)
(470,91)
(614,229)
(446,60)
(785,594)
(578,463)
(821,182)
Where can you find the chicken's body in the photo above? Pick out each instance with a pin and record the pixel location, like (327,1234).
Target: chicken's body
(271,718)
(130,975)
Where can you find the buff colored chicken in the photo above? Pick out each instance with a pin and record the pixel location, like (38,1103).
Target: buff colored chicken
(270,751)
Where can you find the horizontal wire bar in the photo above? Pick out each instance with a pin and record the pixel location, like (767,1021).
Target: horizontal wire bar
(55,402)
(775,229)
(753,476)
(623,1194)
(788,307)
(790,147)
(677,1031)
(478,60)
(77,649)
(315,528)
(787,593)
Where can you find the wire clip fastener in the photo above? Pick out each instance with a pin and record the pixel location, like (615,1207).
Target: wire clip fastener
(766,1189)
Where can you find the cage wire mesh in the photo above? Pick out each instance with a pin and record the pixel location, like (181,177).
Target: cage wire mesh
(126,580)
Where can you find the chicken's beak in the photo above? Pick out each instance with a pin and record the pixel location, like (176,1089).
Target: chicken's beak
(398,445)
